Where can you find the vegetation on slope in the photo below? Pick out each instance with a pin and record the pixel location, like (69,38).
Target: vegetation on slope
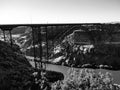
(16,73)
(15,70)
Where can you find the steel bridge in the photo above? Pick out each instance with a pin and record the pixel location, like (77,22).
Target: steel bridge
(10,27)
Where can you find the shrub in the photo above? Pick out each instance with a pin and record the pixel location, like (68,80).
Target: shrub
(15,70)
(85,79)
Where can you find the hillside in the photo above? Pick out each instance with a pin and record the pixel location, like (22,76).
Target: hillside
(15,70)
(90,56)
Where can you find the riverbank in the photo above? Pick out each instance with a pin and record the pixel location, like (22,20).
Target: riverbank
(64,70)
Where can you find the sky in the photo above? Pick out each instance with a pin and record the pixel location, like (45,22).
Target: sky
(59,11)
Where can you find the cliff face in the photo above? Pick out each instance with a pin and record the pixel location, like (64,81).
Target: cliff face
(96,37)
(15,70)
(93,56)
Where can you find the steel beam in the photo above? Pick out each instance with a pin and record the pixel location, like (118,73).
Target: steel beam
(34,53)
(10,38)
(40,46)
(46,43)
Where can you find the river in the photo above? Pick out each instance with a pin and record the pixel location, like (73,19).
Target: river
(64,69)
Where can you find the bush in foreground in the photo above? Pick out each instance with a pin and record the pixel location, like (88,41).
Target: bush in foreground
(85,79)
(15,70)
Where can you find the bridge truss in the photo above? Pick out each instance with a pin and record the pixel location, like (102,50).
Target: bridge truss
(38,63)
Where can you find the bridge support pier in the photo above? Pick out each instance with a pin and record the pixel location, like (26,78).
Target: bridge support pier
(10,37)
(33,37)
(40,46)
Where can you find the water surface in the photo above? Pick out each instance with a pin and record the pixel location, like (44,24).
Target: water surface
(64,70)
